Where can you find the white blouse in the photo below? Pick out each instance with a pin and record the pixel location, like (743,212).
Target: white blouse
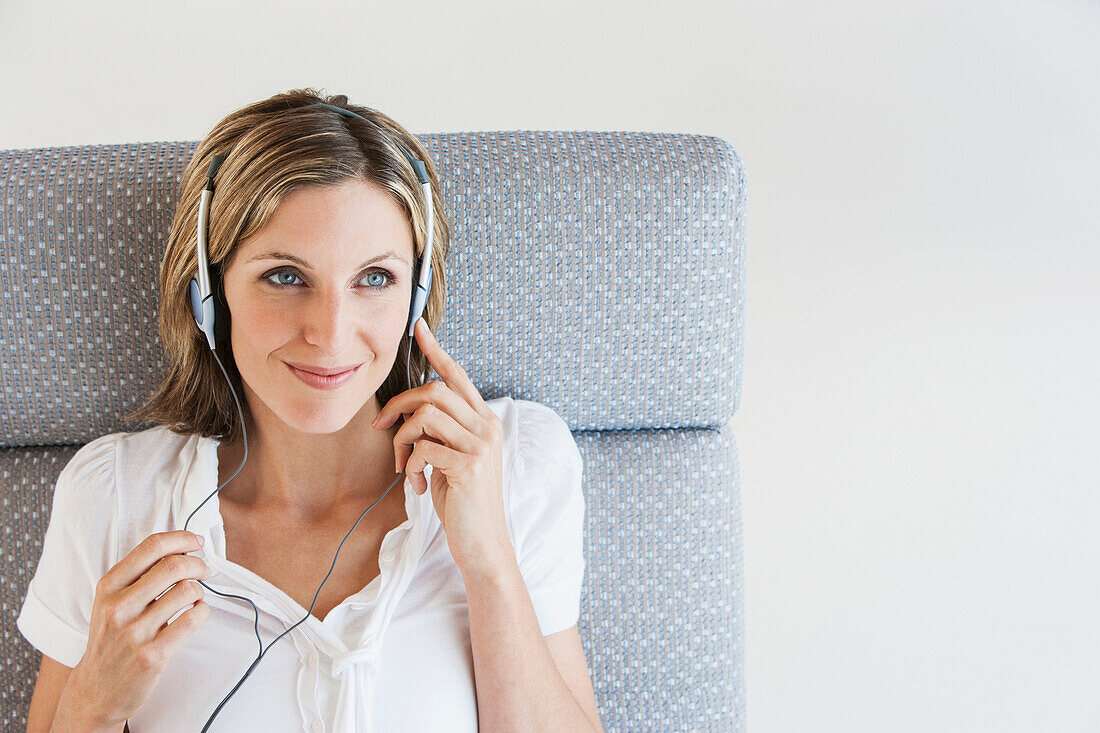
(395,656)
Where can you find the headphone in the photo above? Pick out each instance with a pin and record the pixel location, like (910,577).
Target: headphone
(210,309)
(212,318)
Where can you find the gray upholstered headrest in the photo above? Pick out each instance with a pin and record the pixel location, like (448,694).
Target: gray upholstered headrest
(599,273)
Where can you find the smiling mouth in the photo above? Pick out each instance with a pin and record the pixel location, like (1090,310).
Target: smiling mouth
(318,381)
(323,372)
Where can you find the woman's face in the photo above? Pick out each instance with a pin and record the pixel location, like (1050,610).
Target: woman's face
(326,284)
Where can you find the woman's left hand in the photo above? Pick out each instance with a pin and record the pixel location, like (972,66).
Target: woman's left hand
(454,430)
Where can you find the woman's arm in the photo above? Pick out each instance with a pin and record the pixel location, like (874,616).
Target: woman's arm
(52,676)
(518,685)
(52,703)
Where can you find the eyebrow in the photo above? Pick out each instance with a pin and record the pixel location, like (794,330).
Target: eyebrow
(389,253)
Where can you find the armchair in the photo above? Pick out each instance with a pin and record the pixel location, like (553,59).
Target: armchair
(599,273)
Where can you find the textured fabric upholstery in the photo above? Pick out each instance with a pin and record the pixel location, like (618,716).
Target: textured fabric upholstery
(599,273)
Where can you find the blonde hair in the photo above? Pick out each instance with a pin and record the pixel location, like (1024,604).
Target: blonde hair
(276,146)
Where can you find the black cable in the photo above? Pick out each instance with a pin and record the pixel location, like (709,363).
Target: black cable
(408,373)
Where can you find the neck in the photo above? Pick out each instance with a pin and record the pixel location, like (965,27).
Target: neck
(308,476)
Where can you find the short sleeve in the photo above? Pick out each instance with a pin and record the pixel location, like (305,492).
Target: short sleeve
(547,507)
(78,549)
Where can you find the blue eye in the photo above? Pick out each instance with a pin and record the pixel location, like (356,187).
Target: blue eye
(292,273)
(285,271)
(382,275)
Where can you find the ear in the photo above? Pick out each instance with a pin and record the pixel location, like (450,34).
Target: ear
(221,307)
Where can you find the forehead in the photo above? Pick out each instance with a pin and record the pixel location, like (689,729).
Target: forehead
(352,218)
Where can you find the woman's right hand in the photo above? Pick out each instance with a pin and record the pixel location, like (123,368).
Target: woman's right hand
(130,640)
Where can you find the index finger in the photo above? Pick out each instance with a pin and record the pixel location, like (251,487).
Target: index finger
(454,376)
(147,554)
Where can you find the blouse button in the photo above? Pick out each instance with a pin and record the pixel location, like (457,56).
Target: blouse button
(312,658)
(318,726)
(387,557)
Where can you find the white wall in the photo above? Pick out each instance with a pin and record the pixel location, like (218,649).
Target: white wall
(919,421)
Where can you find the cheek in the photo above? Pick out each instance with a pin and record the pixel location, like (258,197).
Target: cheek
(392,316)
(257,326)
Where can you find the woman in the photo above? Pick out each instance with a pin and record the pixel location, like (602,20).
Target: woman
(160,595)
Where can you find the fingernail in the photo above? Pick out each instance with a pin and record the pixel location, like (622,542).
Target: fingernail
(202,540)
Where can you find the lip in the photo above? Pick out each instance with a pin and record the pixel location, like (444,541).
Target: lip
(321,371)
(322,381)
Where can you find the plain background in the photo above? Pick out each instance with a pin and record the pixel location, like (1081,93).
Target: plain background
(919,411)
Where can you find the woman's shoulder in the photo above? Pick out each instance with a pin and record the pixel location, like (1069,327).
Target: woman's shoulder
(532,416)
(86,488)
(127,459)
(531,429)
(537,442)
(150,458)
(144,446)
(155,441)
(139,478)
(155,438)
(540,433)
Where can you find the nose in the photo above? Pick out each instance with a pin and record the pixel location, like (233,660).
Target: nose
(327,322)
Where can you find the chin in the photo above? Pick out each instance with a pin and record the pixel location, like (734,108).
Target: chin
(320,419)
